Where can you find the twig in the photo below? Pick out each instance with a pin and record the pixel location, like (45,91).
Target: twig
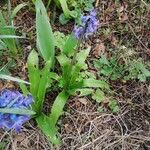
(88,144)
(145,3)
(97,3)
(147,50)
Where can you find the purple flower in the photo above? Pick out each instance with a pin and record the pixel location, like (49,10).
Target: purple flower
(13,99)
(89,25)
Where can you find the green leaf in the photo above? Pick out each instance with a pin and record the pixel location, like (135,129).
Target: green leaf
(62,19)
(50,131)
(145,71)
(48,124)
(5,33)
(74,14)
(58,106)
(56,112)
(54,76)
(74,74)
(70,45)
(85,91)
(81,57)
(63,60)
(67,13)
(2,21)
(113,106)
(60,39)
(43,83)
(48,4)
(73,87)
(17,9)
(99,96)
(96,84)
(34,78)
(9,65)
(2,45)
(87,74)
(11,37)
(7,77)
(39,80)
(66,76)
(2,145)
(65,8)
(17,111)
(33,59)
(33,73)
(45,38)
(103,60)
(106,71)
(142,77)
(24,89)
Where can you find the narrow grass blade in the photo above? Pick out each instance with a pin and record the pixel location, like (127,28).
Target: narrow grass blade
(17,9)
(24,89)
(7,77)
(11,37)
(48,4)
(17,111)
(2,45)
(9,42)
(65,8)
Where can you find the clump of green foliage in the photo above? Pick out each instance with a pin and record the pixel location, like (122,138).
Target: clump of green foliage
(7,31)
(72,9)
(112,68)
(81,5)
(123,66)
(73,77)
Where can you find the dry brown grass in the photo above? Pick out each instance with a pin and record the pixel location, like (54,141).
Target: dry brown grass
(83,128)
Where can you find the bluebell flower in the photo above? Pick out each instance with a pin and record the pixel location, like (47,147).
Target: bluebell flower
(89,25)
(14,99)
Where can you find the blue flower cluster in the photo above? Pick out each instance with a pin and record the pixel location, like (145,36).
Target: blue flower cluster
(13,99)
(89,25)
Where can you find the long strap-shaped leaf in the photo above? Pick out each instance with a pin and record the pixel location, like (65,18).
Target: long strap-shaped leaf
(7,77)
(11,37)
(33,72)
(17,111)
(66,10)
(48,124)
(49,130)
(58,106)
(38,80)
(17,9)
(43,85)
(45,39)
